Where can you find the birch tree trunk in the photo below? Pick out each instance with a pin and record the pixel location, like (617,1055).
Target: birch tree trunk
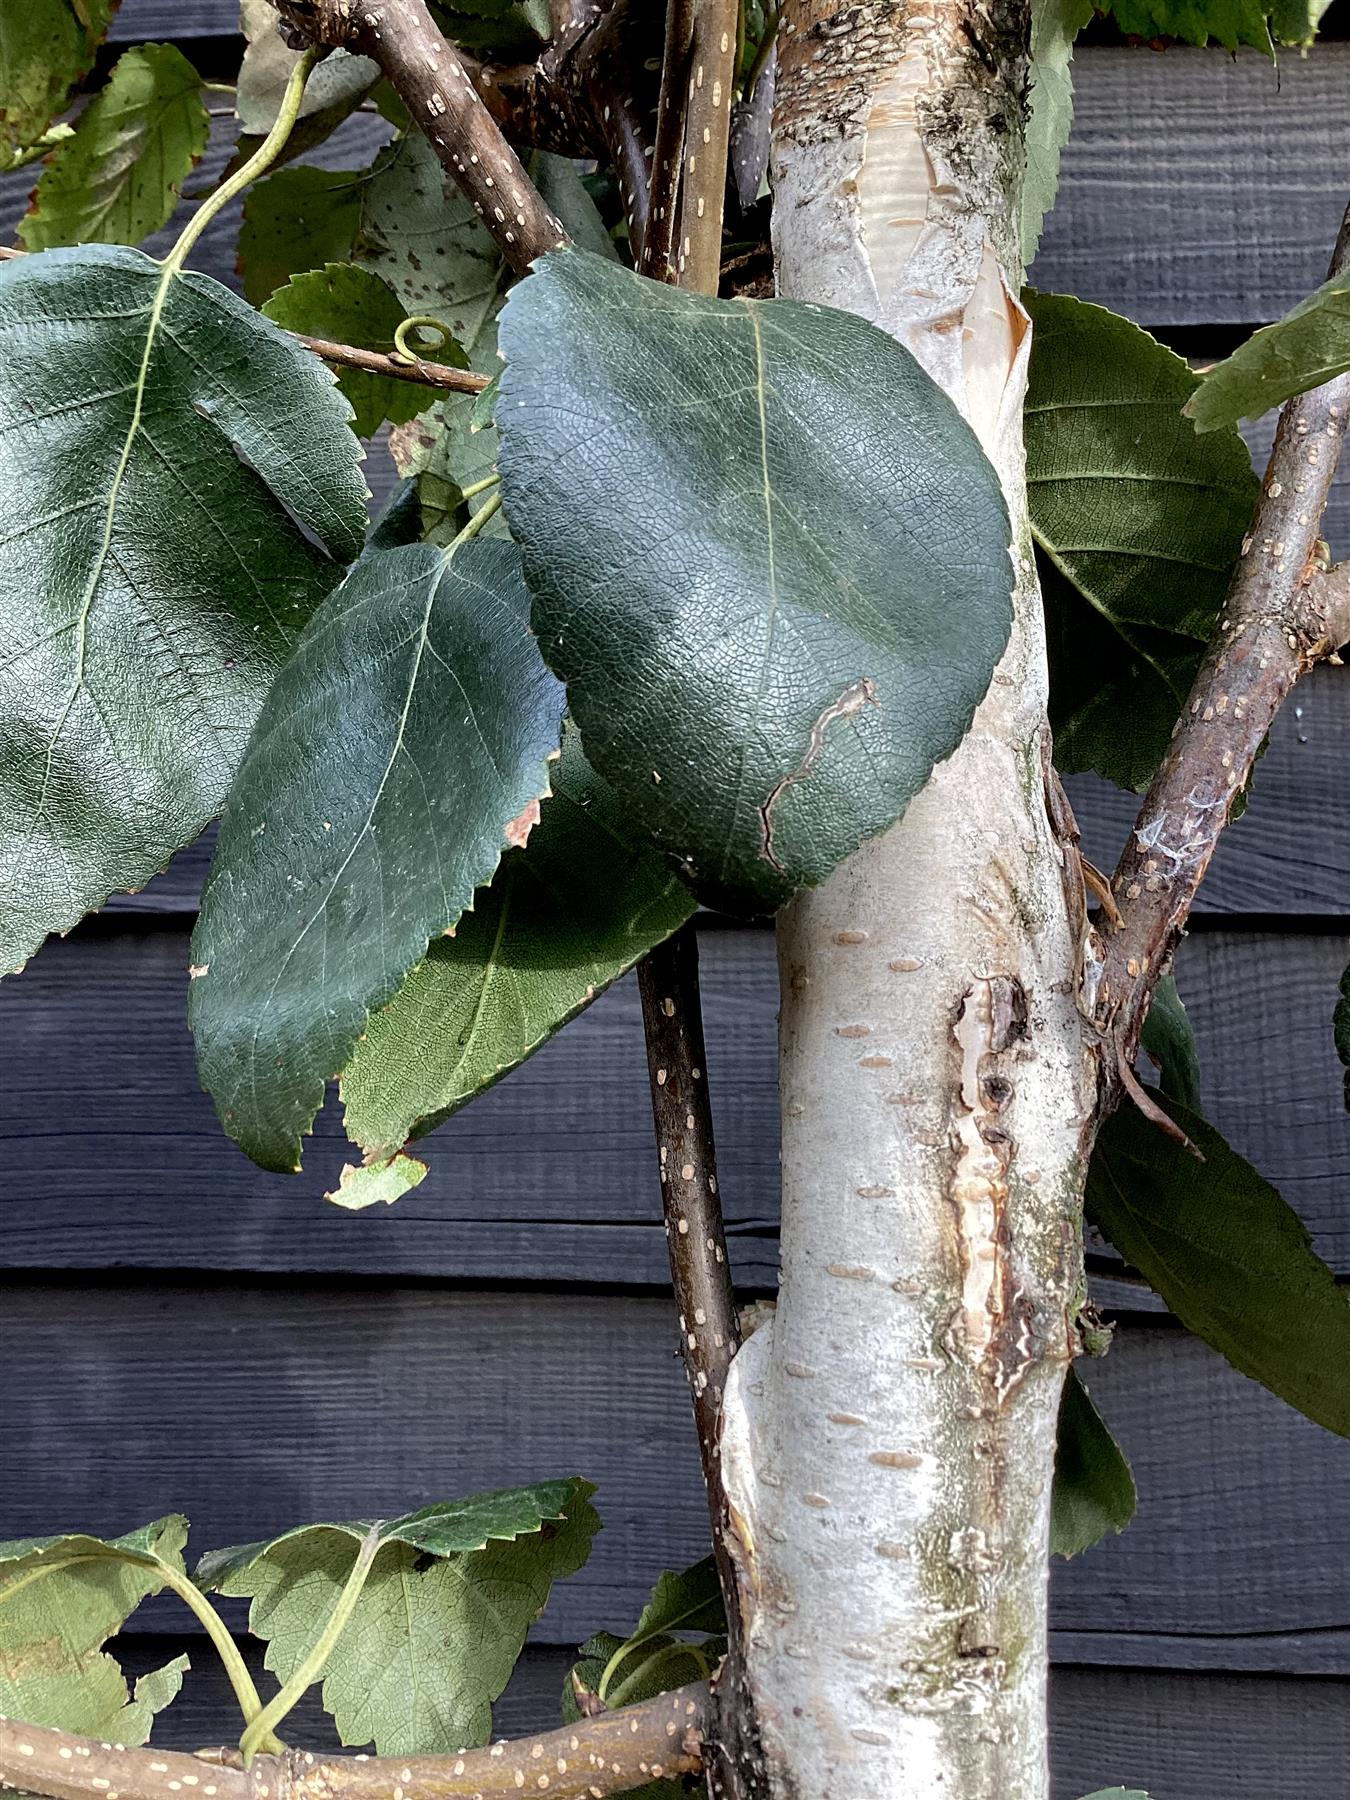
(888,1438)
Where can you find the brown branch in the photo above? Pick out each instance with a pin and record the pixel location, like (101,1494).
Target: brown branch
(710,1335)
(712,69)
(432,82)
(609,1754)
(752,124)
(1275,624)
(376,362)
(658,246)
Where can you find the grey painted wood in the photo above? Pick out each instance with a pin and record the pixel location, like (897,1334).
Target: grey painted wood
(137,20)
(257,1405)
(120,1161)
(1188,1737)
(1180,203)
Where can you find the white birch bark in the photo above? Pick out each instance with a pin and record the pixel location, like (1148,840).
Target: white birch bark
(888,1438)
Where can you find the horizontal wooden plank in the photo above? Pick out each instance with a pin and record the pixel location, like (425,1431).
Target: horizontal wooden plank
(1187,1737)
(1287,855)
(1176,207)
(135,21)
(120,1160)
(255,1406)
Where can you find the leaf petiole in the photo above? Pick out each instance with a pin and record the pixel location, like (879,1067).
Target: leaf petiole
(245,1692)
(258,164)
(258,1734)
(476,523)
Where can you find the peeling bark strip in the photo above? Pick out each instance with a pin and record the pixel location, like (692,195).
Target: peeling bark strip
(606,1755)
(888,1438)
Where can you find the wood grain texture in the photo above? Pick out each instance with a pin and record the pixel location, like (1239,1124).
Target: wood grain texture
(1178,203)
(120,1161)
(1188,1737)
(289,1401)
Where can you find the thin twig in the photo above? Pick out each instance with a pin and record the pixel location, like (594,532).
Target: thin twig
(673,1017)
(608,1754)
(707,137)
(668,151)
(1278,621)
(430,374)
(752,124)
(432,82)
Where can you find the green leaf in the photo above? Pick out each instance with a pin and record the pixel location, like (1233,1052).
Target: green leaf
(563,189)
(564,917)
(1054,26)
(1341,1030)
(183,492)
(1296,21)
(60,1598)
(1169,1039)
(1094,1490)
(746,563)
(401,221)
(154,1691)
(430,1643)
(377,1183)
(1226,22)
(624,1671)
(684,1600)
(1230,1258)
(1306,347)
(297,219)
(1138,523)
(46,48)
(427,241)
(403,748)
(335,88)
(118,177)
(350,305)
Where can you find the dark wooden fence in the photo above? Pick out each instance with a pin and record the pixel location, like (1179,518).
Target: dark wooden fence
(180,1330)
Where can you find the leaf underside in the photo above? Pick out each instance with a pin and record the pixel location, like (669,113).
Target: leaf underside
(60,1598)
(403,748)
(451,1594)
(183,492)
(750,563)
(1137,523)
